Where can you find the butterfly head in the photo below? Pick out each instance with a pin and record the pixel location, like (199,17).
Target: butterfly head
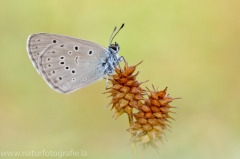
(114,48)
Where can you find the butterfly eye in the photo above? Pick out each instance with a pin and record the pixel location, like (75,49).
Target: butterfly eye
(54,41)
(114,48)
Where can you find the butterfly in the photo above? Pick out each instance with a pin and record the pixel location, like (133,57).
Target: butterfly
(68,64)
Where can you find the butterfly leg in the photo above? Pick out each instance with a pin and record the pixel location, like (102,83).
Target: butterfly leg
(120,59)
(107,82)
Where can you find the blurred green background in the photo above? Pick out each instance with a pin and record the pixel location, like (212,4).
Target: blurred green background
(193,47)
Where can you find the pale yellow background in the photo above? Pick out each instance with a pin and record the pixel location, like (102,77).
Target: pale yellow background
(193,47)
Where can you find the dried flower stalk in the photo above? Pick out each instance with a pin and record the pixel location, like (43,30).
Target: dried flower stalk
(151,119)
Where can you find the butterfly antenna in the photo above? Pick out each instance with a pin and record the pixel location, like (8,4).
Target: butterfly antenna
(111,39)
(112,35)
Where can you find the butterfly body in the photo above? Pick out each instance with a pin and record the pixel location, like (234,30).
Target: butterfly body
(67,63)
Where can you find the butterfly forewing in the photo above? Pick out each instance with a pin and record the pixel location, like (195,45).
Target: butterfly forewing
(66,63)
(37,43)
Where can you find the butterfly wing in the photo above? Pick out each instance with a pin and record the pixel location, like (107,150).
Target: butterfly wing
(36,43)
(66,63)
